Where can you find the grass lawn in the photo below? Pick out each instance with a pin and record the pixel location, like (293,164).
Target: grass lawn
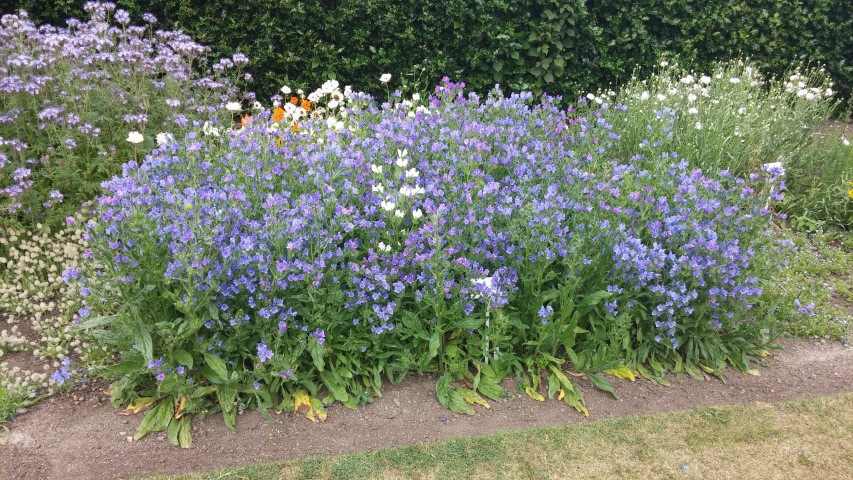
(802,439)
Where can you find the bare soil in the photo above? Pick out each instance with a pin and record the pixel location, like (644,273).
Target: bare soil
(80,435)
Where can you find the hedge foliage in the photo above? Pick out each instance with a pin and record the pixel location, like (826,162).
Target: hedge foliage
(559,46)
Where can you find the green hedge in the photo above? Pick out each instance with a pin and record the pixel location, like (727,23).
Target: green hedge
(551,45)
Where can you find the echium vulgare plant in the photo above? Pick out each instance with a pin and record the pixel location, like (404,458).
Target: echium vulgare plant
(282,267)
(77,102)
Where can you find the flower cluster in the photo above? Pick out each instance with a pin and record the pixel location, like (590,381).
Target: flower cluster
(78,101)
(468,228)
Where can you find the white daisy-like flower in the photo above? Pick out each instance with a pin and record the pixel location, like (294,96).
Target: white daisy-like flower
(691,97)
(417,213)
(734,80)
(385,78)
(233,106)
(387,206)
(399,214)
(661,97)
(845,142)
(705,80)
(135,137)
(698,125)
(286,90)
(644,96)
(376,168)
(664,63)
(416,97)
(164,138)
(687,80)
(257,106)
(693,110)
(412,173)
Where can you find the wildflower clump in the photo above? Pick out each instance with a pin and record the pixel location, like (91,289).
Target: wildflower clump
(78,101)
(468,236)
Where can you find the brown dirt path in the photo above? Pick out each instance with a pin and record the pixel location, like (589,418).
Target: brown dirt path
(86,438)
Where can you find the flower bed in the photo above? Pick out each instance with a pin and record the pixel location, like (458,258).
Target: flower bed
(292,264)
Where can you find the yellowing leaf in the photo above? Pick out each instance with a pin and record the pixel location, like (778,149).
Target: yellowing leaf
(753,372)
(561,394)
(140,404)
(622,372)
(471,397)
(310,407)
(764,353)
(179,408)
(575,374)
(534,394)
(706,368)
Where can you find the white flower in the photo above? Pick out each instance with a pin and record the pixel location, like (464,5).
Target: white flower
(845,142)
(691,97)
(329,86)
(135,137)
(741,110)
(644,96)
(693,110)
(233,106)
(300,92)
(399,214)
(385,78)
(704,79)
(734,80)
(661,97)
(347,91)
(209,130)
(411,114)
(698,125)
(687,80)
(590,96)
(407,191)
(377,188)
(384,248)
(417,213)
(416,97)
(810,96)
(664,63)
(286,90)
(387,206)
(276,103)
(164,138)
(402,161)
(257,106)
(419,190)
(412,173)
(333,104)
(829,92)
(376,168)
(314,96)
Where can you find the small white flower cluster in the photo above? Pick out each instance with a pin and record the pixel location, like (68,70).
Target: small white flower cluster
(391,203)
(797,84)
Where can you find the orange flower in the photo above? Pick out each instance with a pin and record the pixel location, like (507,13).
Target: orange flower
(278,142)
(277,114)
(306,105)
(245,121)
(294,100)
(295,127)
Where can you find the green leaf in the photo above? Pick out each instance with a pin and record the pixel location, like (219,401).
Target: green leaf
(491,389)
(172,432)
(96,322)
(185,436)
(156,419)
(601,384)
(316,351)
(457,404)
(218,367)
(184,358)
(143,342)
(442,390)
(434,344)
(594,299)
(553,385)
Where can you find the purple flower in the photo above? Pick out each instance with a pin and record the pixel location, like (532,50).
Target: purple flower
(264,353)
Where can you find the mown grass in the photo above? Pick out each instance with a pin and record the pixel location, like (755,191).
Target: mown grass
(801,439)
